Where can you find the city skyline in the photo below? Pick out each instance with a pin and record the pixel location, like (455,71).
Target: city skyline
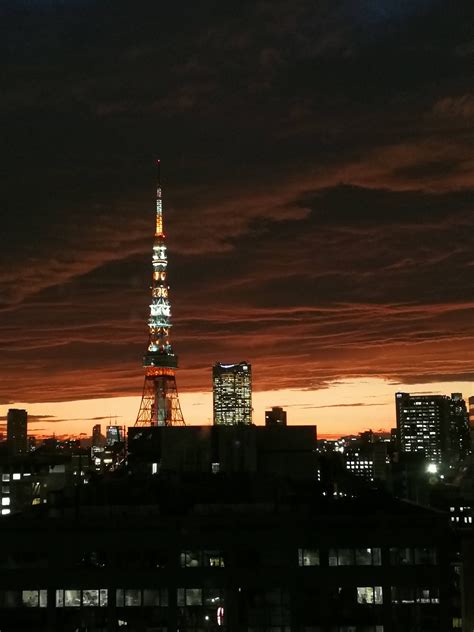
(320,229)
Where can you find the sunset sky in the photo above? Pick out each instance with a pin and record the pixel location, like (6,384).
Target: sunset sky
(317,170)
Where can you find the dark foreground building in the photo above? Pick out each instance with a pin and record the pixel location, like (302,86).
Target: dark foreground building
(226,553)
(251,546)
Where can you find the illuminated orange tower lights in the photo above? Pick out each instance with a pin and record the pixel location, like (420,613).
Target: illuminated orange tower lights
(160,403)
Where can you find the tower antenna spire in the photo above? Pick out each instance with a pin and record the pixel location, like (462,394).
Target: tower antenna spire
(160,403)
(159,203)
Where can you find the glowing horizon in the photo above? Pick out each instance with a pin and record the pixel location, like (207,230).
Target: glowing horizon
(343,408)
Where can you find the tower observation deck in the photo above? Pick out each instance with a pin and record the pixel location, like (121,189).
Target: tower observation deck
(160,403)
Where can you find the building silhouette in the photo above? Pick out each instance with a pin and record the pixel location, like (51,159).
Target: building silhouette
(97,438)
(232,393)
(17,431)
(276,416)
(229,553)
(459,436)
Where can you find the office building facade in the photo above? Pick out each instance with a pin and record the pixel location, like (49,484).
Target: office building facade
(232,393)
(435,426)
(289,567)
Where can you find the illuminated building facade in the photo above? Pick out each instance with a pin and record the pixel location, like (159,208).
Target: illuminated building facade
(361,465)
(435,426)
(113,434)
(232,393)
(160,404)
(368,462)
(422,424)
(17,425)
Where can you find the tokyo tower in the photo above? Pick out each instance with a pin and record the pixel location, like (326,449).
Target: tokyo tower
(160,404)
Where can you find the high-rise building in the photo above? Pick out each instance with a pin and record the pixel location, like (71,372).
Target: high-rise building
(160,404)
(97,438)
(113,434)
(435,426)
(232,393)
(275,417)
(459,438)
(17,425)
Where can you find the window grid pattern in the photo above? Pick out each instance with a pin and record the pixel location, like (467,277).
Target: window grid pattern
(367,556)
(141,597)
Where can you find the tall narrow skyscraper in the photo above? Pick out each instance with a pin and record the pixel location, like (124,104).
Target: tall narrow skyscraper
(160,404)
(232,393)
(17,426)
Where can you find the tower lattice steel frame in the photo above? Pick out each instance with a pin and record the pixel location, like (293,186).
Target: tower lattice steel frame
(160,403)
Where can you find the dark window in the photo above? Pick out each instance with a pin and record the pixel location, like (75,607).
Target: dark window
(401,556)
(425,555)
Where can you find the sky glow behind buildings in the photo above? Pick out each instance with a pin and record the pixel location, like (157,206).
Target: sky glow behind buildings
(317,178)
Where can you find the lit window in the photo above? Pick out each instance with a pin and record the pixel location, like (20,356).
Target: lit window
(369,595)
(5,501)
(190,559)
(30,598)
(16,476)
(103,597)
(90,598)
(34,598)
(72,598)
(214,559)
